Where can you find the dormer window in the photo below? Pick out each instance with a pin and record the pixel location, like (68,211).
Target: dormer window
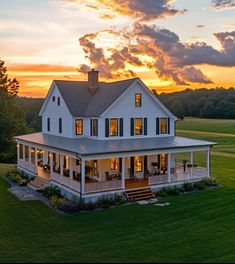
(79,127)
(138,100)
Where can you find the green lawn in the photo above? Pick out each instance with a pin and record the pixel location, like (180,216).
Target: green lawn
(199,227)
(207,125)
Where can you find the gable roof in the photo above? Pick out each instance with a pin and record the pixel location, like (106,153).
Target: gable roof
(82,103)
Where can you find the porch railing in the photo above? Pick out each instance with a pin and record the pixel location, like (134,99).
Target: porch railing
(103,186)
(66,181)
(27,165)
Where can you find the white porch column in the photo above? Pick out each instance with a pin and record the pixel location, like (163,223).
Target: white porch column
(23,146)
(70,171)
(18,152)
(208,163)
(36,161)
(61,167)
(82,182)
(51,164)
(169,167)
(191,162)
(123,173)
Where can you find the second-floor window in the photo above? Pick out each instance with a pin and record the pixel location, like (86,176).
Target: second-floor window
(94,127)
(60,125)
(58,101)
(138,99)
(79,126)
(138,126)
(113,127)
(163,125)
(53,98)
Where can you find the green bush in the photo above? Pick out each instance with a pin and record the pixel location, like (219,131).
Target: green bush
(57,201)
(199,185)
(172,191)
(161,193)
(51,191)
(188,187)
(210,182)
(20,178)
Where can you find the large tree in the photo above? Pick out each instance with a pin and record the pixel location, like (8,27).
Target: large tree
(11,116)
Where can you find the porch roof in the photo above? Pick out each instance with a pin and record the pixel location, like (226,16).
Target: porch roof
(87,146)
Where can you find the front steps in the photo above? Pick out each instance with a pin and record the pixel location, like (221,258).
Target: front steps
(140,194)
(38,183)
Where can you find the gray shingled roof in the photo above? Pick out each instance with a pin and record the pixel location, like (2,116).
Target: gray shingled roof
(86,146)
(81,103)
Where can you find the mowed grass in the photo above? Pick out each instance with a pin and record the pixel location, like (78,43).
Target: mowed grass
(226,126)
(199,227)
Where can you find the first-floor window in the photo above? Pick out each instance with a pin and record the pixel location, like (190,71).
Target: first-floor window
(33,155)
(114,127)
(138,126)
(21,151)
(163,125)
(26,149)
(79,127)
(138,164)
(95,168)
(114,164)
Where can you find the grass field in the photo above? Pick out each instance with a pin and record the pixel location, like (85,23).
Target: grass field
(199,227)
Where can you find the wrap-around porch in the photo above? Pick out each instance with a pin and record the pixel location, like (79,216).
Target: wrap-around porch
(113,173)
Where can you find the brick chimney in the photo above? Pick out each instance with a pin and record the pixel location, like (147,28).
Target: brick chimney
(93,81)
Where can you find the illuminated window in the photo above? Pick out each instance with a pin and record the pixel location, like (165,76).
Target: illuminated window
(114,164)
(138,100)
(79,127)
(32,155)
(95,168)
(113,127)
(163,125)
(138,164)
(95,127)
(138,126)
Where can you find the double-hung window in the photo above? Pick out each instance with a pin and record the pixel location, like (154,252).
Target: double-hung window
(138,126)
(79,127)
(113,127)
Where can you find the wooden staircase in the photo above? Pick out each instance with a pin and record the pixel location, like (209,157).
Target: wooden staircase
(38,183)
(140,194)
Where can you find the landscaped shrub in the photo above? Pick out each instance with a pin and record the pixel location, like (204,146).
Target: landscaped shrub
(172,191)
(188,187)
(106,201)
(20,178)
(209,182)
(90,206)
(199,185)
(51,191)
(58,201)
(161,193)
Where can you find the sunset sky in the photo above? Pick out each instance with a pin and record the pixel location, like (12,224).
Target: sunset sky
(171,45)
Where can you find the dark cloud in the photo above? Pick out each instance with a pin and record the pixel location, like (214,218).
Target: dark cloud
(223,4)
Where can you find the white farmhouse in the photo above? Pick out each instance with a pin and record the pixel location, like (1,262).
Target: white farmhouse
(104,138)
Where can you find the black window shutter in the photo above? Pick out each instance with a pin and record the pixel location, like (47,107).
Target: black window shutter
(145,126)
(132,126)
(120,165)
(157,126)
(145,164)
(132,169)
(97,128)
(121,127)
(169,125)
(106,127)
(91,128)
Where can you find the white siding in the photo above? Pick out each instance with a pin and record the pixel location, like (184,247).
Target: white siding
(54,112)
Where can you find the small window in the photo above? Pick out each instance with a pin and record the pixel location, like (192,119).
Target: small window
(53,98)
(138,126)
(60,125)
(114,127)
(138,164)
(94,129)
(21,151)
(79,127)
(48,124)
(58,101)
(114,164)
(138,99)
(163,125)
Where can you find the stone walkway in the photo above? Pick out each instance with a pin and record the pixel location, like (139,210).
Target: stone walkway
(24,193)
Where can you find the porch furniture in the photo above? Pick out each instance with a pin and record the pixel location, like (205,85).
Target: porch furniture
(147,174)
(76,176)
(46,167)
(132,176)
(66,172)
(108,176)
